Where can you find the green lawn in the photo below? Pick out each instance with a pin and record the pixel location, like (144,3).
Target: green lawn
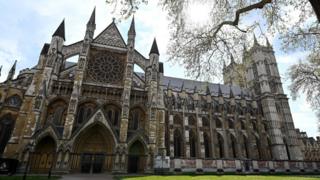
(28,178)
(223,177)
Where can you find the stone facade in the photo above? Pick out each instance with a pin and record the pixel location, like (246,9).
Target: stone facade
(99,115)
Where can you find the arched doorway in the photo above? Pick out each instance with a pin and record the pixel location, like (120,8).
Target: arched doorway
(94,148)
(136,158)
(43,157)
(6,128)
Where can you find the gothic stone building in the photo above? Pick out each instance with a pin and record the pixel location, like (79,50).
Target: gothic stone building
(98,115)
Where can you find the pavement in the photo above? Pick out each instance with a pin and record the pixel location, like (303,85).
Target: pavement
(87,177)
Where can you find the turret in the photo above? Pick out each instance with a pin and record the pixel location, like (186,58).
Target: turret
(154,59)
(12,71)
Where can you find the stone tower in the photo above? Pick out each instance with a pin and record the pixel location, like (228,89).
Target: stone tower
(264,80)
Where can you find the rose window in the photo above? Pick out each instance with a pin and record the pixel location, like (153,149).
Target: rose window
(106,69)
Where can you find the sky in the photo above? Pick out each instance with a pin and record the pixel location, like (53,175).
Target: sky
(27,25)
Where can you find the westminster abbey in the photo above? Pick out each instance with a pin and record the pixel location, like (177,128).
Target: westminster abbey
(99,115)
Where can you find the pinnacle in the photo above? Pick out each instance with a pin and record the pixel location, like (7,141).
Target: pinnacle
(154,48)
(92,19)
(60,31)
(132,29)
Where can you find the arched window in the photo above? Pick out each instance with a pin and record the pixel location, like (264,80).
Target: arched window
(243,126)
(57,112)
(206,142)
(216,106)
(136,119)
(287,148)
(231,123)
(220,145)
(245,146)
(192,121)
(269,148)
(85,111)
(193,144)
(258,147)
(177,144)
(177,121)
(233,146)
(14,101)
(190,103)
(205,122)
(254,126)
(218,123)
(113,114)
(6,128)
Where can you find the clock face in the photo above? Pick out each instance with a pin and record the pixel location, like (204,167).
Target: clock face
(106,68)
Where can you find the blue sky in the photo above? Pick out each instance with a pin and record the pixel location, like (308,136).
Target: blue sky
(27,25)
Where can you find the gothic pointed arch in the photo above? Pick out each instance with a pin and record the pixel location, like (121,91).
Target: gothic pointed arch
(96,120)
(49,131)
(137,152)
(233,146)
(46,144)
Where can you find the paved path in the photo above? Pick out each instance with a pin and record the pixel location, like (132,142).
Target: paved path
(87,177)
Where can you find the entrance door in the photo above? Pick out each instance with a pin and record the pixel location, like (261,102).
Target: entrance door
(98,163)
(86,161)
(136,158)
(92,163)
(133,163)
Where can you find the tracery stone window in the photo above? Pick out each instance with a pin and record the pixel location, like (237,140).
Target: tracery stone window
(206,142)
(113,114)
(136,119)
(14,101)
(85,111)
(190,103)
(6,128)
(106,68)
(57,112)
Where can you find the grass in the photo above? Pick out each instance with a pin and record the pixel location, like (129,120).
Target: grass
(222,177)
(28,178)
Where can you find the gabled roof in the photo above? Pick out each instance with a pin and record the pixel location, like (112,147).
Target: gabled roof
(110,37)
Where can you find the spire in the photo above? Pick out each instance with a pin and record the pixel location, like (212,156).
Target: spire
(92,20)
(268,43)
(232,60)
(154,48)
(219,91)
(208,92)
(169,83)
(132,29)
(255,41)
(242,95)
(60,31)
(231,93)
(195,89)
(12,71)
(182,85)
